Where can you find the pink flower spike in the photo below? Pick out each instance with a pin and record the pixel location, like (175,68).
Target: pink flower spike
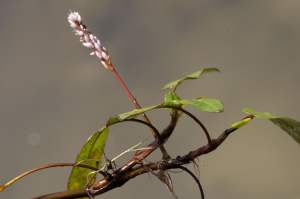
(99,55)
(87,39)
(88,45)
(104,55)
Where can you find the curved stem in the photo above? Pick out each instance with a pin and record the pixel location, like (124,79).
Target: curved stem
(196,120)
(103,186)
(157,135)
(48,166)
(167,131)
(195,178)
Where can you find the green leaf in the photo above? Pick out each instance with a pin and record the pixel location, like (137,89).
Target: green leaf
(171,96)
(259,114)
(292,127)
(91,150)
(240,123)
(192,76)
(208,105)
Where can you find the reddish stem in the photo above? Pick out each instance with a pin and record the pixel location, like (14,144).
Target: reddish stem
(48,166)
(112,69)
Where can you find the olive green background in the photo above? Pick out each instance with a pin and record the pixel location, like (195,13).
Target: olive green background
(50,86)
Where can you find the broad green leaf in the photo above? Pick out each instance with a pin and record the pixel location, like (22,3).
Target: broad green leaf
(91,150)
(292,127)
(192,76)
(208,105)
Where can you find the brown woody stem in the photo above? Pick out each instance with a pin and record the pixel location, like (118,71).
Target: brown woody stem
(104,186)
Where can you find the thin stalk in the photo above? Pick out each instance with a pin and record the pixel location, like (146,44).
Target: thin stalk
(195,178)
(45,167)
(112,69)
(157,135)
(196,120)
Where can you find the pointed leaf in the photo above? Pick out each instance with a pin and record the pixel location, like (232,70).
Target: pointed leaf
(292,127)
(208,105)
(192,76)
(91,150)
(259,114)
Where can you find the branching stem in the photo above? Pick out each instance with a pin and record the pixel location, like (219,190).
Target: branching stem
(103,186)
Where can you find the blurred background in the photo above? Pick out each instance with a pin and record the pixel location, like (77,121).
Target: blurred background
(54,95)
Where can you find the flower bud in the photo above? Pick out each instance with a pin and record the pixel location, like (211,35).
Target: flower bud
(88,45)
(104,55)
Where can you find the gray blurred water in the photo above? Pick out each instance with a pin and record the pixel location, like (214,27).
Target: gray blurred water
(53,95)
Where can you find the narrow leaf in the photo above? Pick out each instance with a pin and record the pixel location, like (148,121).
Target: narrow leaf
(292,127)
(259,114)
(192,76)
(91,150)
(208,105)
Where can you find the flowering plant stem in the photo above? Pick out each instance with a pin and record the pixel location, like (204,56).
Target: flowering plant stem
(112,69)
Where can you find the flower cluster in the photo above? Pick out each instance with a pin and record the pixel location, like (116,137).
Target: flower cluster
(87,39)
